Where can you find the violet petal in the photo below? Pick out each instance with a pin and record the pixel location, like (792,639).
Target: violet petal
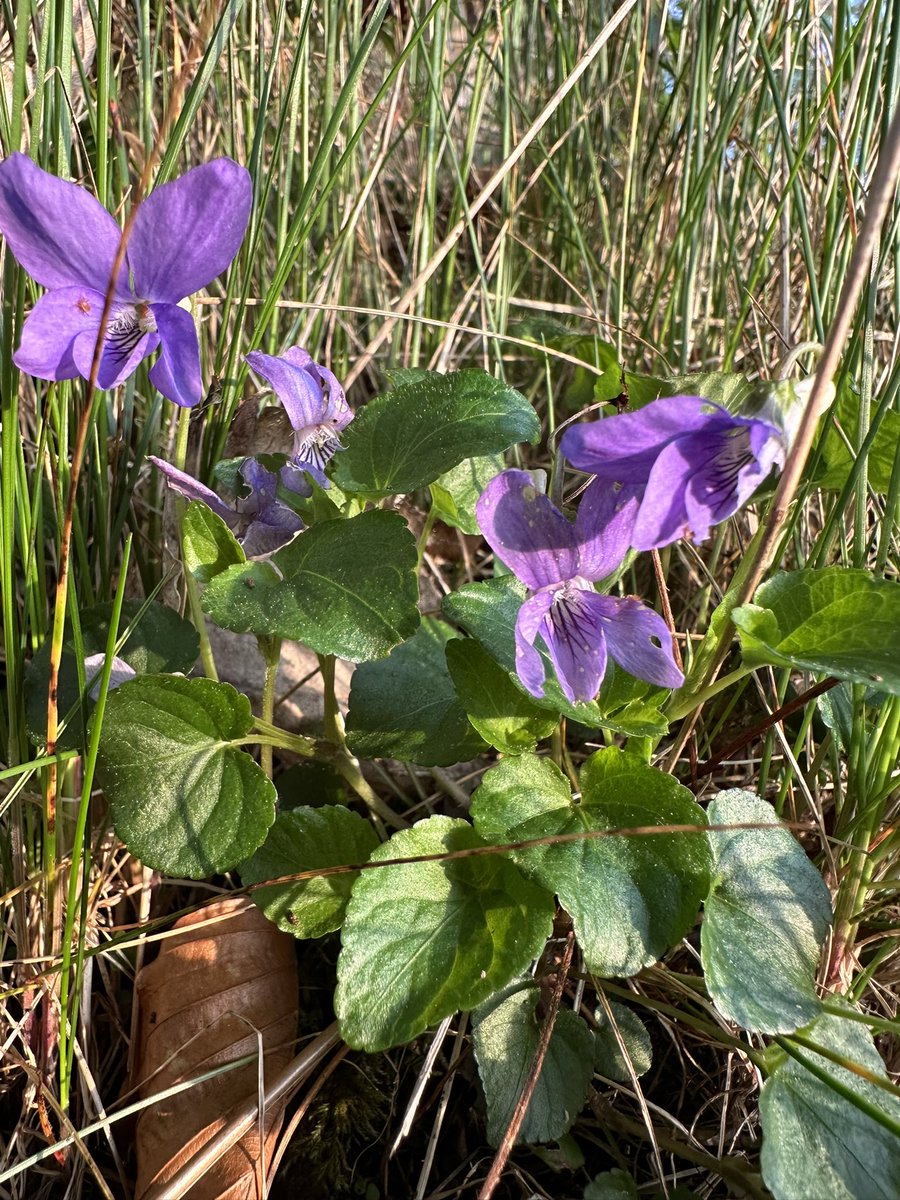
(296,480)
(623,448)
(120,673)
(338,412)
(529,663)
(574,634)
(188,231)
(630,629)
(662,517)
(58,231)
(193,489)
(124,347)
(603,526)
(50,330)
(298,357)
(262,538)
(176,373)
(301,394)
(526,530)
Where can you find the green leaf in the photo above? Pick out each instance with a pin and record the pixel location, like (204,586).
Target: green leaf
(209,545)
(422,940)
(406,707)
(818,1143)
(608,1057)
(729,389)
(503,713)
(631,706)
(611,1185)
(506,1032)
(837,620)
(301,840)
(881,454)
(764,922)
(161,642)
(630,897)
(410,436)
(456,493)
(184,797)
(345,587)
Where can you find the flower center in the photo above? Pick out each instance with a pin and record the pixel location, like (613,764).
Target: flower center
(128,326)
(317,446)
(732,455)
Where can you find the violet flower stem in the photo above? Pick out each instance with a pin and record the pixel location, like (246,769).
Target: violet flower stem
(425,535)
(270,649)
(190,584)
(695,699)
(346,765)
(331,715)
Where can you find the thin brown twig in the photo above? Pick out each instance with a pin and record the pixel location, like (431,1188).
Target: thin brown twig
(552,839)
(77,461)
(881,195)
(509,1138)
(761,727)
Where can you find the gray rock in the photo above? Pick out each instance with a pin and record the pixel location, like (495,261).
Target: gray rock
(299,695)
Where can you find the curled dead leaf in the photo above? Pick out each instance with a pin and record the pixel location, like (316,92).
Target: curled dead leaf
(216,993)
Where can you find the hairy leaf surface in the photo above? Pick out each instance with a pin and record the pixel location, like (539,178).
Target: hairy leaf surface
(185,798)
(422,940)
(765,919)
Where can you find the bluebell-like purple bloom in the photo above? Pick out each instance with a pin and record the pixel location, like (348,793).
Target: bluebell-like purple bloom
(692,462)
(260,521)
(559,561)
(316,408)
(184,234)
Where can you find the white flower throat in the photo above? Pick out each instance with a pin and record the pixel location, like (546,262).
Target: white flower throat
(130,323)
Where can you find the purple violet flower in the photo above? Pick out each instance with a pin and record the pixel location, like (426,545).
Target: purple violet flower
(120,673)
(693,463)
(260,521)
(316,407)
(184,234)
(559,562)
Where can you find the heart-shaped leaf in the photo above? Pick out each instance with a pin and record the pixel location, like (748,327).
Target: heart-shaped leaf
(422,940)
(630,897)
(301,840)
(502,713)
(837,620)
(412,435)
(456,492)
(506,1032)
(609,1058)
(345,587)
(764,921)
(185,798)
(406,707)
(209,545)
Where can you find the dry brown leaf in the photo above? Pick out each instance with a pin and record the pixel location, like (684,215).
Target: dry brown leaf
(201,1004)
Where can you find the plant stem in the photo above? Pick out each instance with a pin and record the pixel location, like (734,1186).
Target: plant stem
(687,704)
(270,649)
(190,584)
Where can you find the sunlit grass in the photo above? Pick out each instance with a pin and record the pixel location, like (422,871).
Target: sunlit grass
(693,198)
